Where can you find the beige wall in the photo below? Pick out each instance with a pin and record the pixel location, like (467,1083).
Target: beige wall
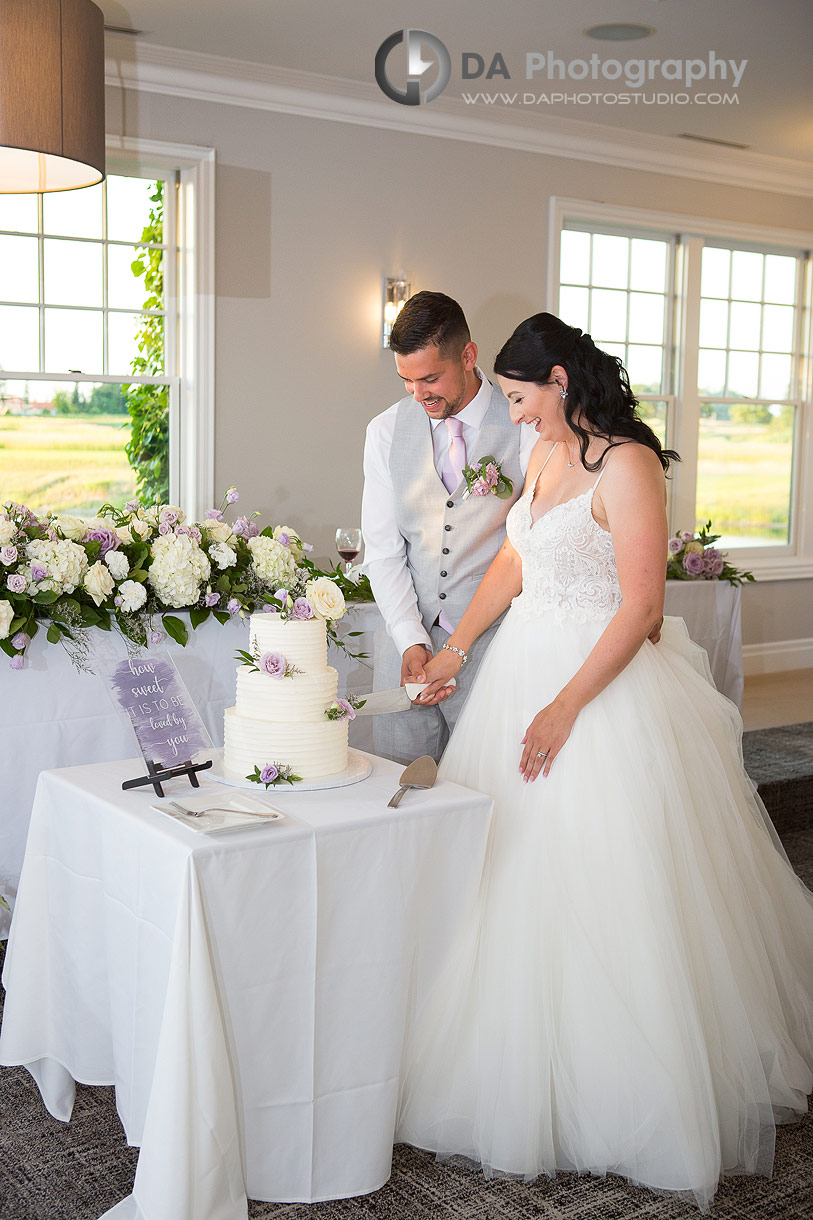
(310,215)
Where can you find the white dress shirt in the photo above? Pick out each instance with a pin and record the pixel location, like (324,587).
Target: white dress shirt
(384,546)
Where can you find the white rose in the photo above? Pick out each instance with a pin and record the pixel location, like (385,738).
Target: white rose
(124,535)
(326,597)
(218,531)
(7,531)
(133,595)
(118,563)
(98,582)
(273,562)
(71,527)
(6,615)
(141,528)
(178,569)
(223,556)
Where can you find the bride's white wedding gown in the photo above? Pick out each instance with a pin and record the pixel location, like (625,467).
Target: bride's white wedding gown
(635,991)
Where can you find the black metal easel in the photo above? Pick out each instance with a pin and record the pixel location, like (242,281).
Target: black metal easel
(159,774)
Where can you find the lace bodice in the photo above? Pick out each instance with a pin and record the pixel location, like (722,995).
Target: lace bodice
(568,562)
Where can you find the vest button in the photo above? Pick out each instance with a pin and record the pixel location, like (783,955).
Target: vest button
(447,528)
(450,503)
(445,551)
(444,573)
(442,596)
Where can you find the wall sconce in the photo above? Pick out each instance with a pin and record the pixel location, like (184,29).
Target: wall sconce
(396,294)
(51,95)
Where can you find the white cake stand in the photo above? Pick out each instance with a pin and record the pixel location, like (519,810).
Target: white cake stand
(358,768)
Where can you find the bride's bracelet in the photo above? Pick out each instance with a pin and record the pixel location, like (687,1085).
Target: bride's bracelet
(463,655)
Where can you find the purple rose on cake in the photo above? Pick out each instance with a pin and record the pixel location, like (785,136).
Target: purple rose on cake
(268,774)
(273,664)
(302,609)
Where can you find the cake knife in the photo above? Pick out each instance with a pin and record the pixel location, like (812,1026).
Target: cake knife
(399,699)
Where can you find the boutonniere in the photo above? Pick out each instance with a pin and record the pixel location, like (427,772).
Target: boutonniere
(486,479)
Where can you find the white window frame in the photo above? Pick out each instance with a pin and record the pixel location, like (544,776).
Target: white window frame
(794,561)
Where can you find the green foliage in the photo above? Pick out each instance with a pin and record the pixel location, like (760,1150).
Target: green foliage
(750,413)
(105,399)
(148,405)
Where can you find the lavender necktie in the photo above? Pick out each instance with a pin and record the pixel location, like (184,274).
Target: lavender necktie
(455,459)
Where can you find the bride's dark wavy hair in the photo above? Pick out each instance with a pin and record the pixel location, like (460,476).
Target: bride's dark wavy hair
(598,385)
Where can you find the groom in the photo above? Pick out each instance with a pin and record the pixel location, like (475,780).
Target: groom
(426,547)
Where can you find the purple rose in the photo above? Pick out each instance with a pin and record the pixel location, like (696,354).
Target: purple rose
(273,664)
(38,571)
(212,599)
(492,475)
(713,561)
(268,774)
(21,640)
(232,605)
(686,536)
(246,528)
(155,637)
(131,506)
(214,514)
(675,546)
(17,662)
(284,539)
(164,529)
(118,601)
(8,554)
(693,563)
(108,539)
(170,516)
(302,609)
(232,495)
(269,609)
(51,534)
(16,583)
(347,708)
(281,596)
(480,488)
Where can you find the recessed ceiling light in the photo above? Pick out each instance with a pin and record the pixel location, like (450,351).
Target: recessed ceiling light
(618,31)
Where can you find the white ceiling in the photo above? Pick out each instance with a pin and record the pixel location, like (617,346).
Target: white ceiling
(774,114)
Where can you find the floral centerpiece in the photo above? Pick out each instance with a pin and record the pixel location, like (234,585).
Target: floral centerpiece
(129,568)
(694,557)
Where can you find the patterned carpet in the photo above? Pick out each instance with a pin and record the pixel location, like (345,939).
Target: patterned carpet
(75,1171)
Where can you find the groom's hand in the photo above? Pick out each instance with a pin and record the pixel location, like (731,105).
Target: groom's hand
(413,662)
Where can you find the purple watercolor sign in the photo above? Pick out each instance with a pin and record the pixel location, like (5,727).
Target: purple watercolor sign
(150,692)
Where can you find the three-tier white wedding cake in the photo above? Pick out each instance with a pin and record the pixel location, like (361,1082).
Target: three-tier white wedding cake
(280,720)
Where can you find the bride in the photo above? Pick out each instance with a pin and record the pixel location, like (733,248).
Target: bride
(635,992)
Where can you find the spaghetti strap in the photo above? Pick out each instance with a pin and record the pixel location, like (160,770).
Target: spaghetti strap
(598,480)
(544,464)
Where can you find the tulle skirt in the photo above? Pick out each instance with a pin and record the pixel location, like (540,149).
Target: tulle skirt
(634,992)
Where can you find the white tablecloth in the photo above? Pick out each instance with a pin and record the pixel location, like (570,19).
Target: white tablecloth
(52,715)
(247,994)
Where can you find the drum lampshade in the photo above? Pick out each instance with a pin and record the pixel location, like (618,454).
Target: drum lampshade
(51,95)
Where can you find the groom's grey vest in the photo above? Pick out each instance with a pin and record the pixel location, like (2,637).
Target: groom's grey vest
(450,542)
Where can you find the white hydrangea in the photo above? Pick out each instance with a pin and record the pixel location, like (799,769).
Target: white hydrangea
(178,569)
(294,541)
(118,563)
(98,582)
(133,596)
(223,556)
(6,615)
(273,562)
(66,561)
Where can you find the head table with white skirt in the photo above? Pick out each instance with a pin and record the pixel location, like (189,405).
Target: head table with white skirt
(247,994)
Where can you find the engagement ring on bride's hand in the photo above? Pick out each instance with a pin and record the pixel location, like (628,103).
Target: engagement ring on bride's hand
(542,754)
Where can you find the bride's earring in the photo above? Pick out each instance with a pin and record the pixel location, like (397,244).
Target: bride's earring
(563,392)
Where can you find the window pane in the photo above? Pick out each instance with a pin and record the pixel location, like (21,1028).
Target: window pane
(62,446)
(615,349)
(609,321)
(746,275)
(780,278)
(645,368)
(19,339)
(19,269)
(610,260)
(715,272)
(73,273)
(713,322)
(122,331)
(745,326)
(745,461)
(574,260)
(73,213)
(573,307)
(125,289)
(646,317)
(743,368)
(128,207)
(648,265)
(775,377)
(73,341)
(777,328)
(654,414)
(711,372)
(18,212)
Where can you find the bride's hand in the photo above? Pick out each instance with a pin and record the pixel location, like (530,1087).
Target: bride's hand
(544,738)
(438,670)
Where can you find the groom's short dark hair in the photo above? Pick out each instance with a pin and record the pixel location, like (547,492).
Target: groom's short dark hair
(430,319)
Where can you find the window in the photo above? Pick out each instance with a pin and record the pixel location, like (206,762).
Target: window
(105,313)
(712,323)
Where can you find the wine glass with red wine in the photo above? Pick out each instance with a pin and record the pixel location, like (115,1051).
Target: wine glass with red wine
(348,544)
